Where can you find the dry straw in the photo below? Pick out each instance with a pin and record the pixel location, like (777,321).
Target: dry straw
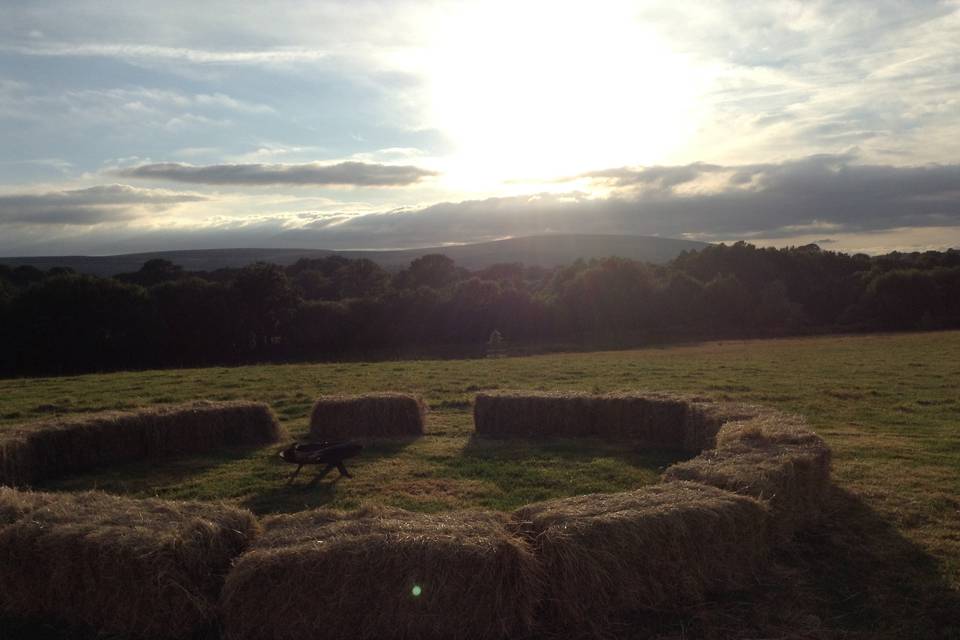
(382,573)
(373,415)
(31,453)
(154,568)
(660,547)
(770,456)
(653,419)
(150,568)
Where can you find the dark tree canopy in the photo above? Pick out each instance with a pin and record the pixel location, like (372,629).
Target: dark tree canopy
(334,307)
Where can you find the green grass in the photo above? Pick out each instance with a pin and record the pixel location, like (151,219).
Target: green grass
(887,563)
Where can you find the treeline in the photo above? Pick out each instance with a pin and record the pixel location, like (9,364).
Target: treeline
(58,321)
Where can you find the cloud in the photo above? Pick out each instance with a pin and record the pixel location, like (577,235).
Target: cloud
(94,205)
(781,197)
(860,206)
(658,177)
(804,199)
(358,174)
(183,54)
(817,194)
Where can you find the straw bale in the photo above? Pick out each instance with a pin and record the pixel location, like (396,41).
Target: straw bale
(659,547)
(654,420)
(768,427)
(149,568)
(324,574)
(31,453)
(772,457)
(372,415)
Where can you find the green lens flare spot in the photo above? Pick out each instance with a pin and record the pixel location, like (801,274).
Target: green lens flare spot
(416,591)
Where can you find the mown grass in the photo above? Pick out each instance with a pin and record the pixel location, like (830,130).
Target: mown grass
(887,563)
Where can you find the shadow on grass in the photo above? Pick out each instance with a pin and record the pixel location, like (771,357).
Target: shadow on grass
(144,477)
(529,470)
(853,576)
(570,450)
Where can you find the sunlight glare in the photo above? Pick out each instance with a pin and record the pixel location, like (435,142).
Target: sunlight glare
(536,91)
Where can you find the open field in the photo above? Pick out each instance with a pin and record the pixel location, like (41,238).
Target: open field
(887,563)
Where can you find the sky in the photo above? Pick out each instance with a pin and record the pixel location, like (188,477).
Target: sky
(141,126)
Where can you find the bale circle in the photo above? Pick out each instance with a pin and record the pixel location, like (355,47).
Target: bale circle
(155,568)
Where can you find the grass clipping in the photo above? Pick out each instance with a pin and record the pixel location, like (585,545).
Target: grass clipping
(661,547)
(382,573)
(654,419)
(373,415)
(31,453)
(773,457)
(150,568)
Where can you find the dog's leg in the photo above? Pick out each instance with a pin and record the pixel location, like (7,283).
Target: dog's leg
(323,473)
(294,475)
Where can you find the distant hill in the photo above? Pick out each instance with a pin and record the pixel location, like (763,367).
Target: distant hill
(545,251)
(189,259)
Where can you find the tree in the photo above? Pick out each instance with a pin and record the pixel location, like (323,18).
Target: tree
(198,320)
(153,272)
(775,310)
(81,323)
(361,279)
(264,300)
(611,298)
(433,270)
(728,303)
(899,299)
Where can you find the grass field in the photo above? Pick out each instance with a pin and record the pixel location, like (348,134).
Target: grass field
(886,564)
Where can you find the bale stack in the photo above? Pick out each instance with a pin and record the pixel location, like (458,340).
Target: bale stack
(372,415)
(149,568)
(382,573)
(31,453)
(773,457)
(662,547)
(654,420)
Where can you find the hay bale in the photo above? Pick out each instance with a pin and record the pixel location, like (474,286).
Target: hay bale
(660,547)
(772,457)
(371,415)
(653,420)
(323,574)
(150,568)
(506,414)
(702,423)
(765,427)
(31,453)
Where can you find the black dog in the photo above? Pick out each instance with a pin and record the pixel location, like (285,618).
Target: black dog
(330,453)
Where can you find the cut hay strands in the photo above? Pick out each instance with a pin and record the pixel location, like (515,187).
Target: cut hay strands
(374,415)
(655,420)
(382,573)
(151,568)
(662,547)
(773,458)
(32,453)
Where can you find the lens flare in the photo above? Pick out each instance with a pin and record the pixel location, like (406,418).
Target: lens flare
(416,591)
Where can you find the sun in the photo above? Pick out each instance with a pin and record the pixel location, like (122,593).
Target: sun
(536,91)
